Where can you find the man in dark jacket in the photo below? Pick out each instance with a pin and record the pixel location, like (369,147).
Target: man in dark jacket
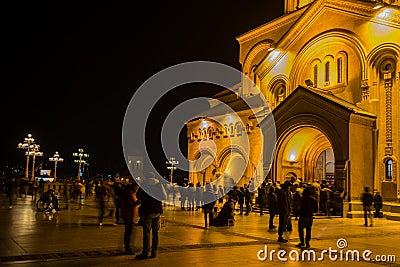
(283,209)
(308,205)
(378,204)
(150,211)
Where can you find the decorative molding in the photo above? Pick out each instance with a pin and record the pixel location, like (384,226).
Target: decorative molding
(365,94)
(361,120)
(269,27)
(388,94)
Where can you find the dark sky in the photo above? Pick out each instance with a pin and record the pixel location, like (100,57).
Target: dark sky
(70,68)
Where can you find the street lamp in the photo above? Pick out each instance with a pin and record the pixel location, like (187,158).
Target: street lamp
(172,162)
(34,152)
(56,158)
(80,161)
(28,143)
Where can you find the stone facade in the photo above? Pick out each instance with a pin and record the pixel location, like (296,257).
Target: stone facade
(330,72)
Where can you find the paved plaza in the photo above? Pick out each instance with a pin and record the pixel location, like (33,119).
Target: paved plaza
(72,237)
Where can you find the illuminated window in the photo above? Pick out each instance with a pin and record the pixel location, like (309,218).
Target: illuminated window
(340,70)
(315,80)
(389,169)
(327,70)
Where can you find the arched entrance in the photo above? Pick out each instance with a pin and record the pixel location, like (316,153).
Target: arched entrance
(315,128)
(305,153)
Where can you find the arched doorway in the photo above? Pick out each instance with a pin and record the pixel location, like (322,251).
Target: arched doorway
(303,152)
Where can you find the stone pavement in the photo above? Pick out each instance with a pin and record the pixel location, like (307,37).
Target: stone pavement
(72,237)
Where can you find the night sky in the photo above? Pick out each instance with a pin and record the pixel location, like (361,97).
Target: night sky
(70,68)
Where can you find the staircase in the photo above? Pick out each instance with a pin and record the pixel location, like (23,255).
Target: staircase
(391,210)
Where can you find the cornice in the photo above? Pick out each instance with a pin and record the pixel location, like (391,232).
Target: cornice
(269,27)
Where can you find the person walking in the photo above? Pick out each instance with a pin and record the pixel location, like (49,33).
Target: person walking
(150,211)
(283,210)
(378,204)
(367,200)
(308,206)
(272,206)
(129,204)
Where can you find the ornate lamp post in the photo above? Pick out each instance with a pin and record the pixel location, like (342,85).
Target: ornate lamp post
(172,162)
(80,161)
(56,158)
(27,145)
(34,152)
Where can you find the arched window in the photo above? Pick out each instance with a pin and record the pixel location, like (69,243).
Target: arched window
(315,75)
(278,91)
(340,70)
(327,70)
(389,169)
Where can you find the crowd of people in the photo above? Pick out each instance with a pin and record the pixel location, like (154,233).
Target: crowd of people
(292,198)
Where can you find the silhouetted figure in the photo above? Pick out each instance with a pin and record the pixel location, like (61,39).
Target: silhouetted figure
(129,204)
(226,213)
(283,209)
(308,205)
(209,200)
(262,197)
(367,200)
(150,211)
(272,206)
(240,195)
(378,205)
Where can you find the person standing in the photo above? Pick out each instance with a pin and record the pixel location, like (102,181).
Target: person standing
(272,206)
(129,205)
(117,186)
(241,199)
(367,200)
(378,204)
(308,205)
(150,211)
(101,195)
(283,209)
(262,197)
(209,199)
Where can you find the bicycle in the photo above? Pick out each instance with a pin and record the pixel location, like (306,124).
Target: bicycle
(47,202)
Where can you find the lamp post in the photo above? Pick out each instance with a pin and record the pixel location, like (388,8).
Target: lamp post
(172,162)
(56,158)
(34,152)
(28,143)
(80,161)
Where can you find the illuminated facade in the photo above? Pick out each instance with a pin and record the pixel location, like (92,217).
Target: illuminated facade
(330,71)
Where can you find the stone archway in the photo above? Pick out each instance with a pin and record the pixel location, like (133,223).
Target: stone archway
(340,125)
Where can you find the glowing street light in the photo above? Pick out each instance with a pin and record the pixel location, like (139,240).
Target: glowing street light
(34,152)
(172,162)
(27,145)
(80,161)
(56,158)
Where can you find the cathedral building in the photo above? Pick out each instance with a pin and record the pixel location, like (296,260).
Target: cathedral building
(329,71)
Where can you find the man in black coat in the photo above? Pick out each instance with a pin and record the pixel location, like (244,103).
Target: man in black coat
(283,209)
(367,200)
